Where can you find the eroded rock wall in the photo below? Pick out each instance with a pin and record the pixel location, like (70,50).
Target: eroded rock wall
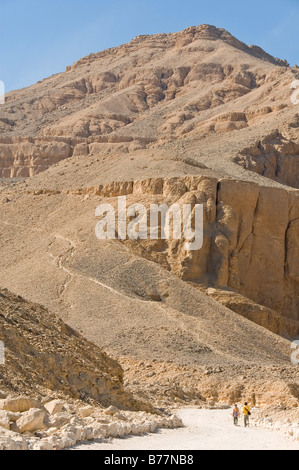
(276,157)
(21,158)
(251,236)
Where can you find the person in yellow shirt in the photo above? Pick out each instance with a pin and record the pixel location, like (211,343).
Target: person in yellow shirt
(246,413)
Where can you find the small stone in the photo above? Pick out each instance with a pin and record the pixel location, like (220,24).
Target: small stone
(85,411)
(111,410)
(54,406)
(4,420)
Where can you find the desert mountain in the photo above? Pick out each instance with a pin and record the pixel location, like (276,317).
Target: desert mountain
(201,83)
(190,117)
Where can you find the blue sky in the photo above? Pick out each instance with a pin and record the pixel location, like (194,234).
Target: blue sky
(42,37)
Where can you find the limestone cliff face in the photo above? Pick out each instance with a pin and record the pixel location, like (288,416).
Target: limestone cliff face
(251,236)
(256,247)
(21,158)
(275,157)
(251,243)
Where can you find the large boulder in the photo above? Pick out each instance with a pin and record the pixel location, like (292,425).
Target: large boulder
(31,420)
(19,404)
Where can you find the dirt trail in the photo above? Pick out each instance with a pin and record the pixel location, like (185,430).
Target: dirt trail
(70,254)
(205,430)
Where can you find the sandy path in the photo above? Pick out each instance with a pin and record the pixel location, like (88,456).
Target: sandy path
(205,430)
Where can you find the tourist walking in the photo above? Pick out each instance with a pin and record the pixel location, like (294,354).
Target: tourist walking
(236,414)
(246,413)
